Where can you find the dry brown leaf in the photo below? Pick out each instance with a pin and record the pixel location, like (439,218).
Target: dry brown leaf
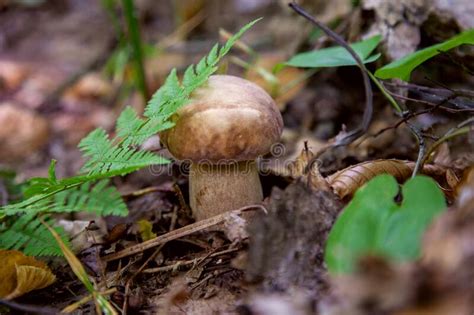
(345,182)
(30,278)
(22,132)
(93,85)
(12,74)
(21,274)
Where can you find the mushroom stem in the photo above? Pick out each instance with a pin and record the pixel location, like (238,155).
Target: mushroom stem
(217,188)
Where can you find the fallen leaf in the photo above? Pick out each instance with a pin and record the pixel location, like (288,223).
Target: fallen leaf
(12,74)
(21,274)
(22,132)
(345,182)
(91,86)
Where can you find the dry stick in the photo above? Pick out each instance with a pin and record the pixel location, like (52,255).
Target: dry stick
(461,128)
(461,64)
(433,91)
(356,133)
(445,108)
(186,230)
(411,115)
(144,191)
(130,280)
(188,262)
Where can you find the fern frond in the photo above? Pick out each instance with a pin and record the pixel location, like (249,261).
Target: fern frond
(34,204)
(100,199)
(105,157)
(29,235)
(172,95)
(133,130)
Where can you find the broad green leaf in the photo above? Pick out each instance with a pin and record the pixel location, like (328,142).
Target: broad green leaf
(373,224)
(402,68)
(337,56)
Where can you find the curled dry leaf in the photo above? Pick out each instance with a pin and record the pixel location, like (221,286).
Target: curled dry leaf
(21,274)
(345,182)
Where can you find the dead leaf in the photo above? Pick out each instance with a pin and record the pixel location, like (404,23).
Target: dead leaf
(345,182)
(91,86)
(12,74)
(21,274)
(22,132)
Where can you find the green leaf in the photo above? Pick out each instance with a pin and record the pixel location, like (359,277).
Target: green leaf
(105,157)
(29,235)
(98,198)
(52,171)
(337,56)
(373,224)
(402,68)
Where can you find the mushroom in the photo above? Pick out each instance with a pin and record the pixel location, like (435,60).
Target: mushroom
(226,125)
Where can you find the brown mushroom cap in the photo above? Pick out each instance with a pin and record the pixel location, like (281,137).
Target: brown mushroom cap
(227,119)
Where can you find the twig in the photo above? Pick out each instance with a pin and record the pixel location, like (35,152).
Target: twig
(434,91)
(450,56)
(178,233)
(367,117)
(189,262)
(144,191)
(130,280)
(410,115)
(460,129)
(445,108)
(421,148)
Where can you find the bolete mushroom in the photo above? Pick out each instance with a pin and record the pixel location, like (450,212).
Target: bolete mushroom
(227,124)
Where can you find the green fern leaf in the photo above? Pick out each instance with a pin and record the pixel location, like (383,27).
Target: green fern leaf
(104,157)
(134,131)
(29,235)
(159,105)
(99,198)
(228,45)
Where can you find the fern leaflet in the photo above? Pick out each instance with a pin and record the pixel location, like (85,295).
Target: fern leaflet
(33,238)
